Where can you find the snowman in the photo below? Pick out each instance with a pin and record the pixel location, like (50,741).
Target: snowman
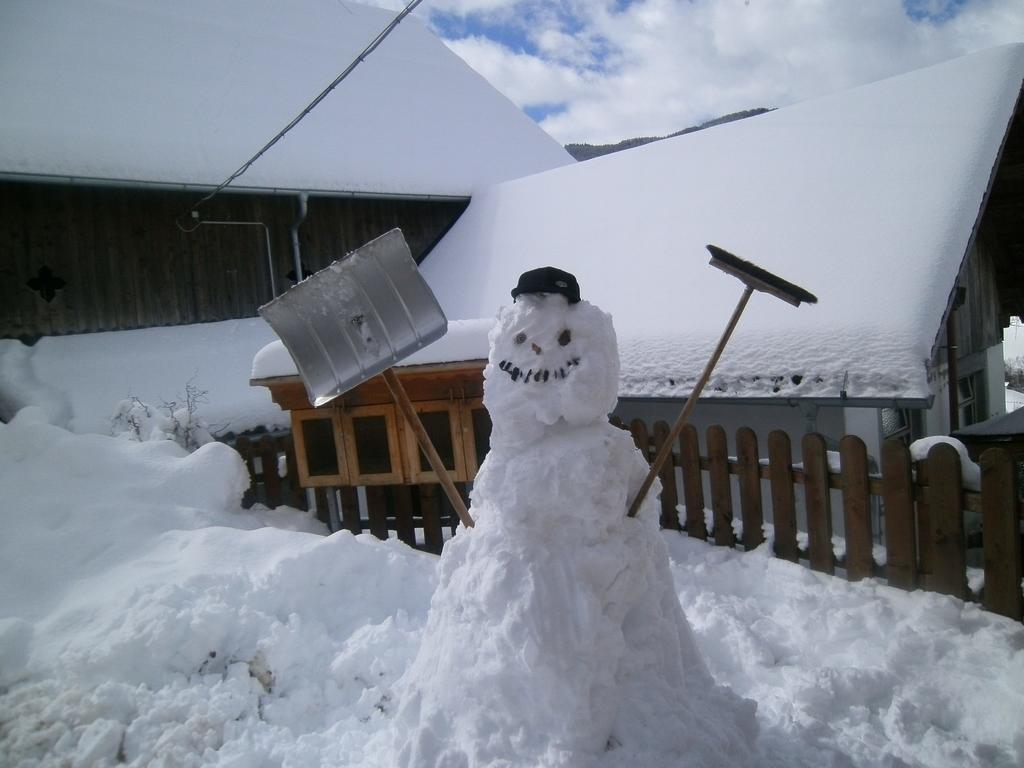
(555,636)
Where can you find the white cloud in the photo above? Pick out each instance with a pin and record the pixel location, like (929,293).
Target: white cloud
(527,80)
(657,66)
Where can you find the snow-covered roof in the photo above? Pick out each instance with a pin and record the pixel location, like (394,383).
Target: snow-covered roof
(185,92)
(465,340)
(1004,425)
(867,198)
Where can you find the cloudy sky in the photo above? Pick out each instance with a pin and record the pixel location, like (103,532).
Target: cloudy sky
(604,70)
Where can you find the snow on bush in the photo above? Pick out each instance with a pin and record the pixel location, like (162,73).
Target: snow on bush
(180,422)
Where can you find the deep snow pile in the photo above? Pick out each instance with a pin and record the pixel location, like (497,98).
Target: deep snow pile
(555,637)
(146,620)
(80,379)
(854,674)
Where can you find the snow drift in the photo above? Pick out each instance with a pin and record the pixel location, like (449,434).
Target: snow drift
(146,620)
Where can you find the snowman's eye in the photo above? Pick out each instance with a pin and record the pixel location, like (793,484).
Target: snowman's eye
(520,338)
(564,337)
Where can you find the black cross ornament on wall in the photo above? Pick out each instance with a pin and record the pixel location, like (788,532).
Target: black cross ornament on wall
(45,283)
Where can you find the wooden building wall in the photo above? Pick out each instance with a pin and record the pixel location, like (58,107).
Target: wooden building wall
(75,259)
(980,318)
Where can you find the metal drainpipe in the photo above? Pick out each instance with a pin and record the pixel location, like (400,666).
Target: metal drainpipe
(954,374)
(952,362)
(810,414)
(296,248)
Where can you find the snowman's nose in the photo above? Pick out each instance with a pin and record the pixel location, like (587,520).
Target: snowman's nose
(536,349)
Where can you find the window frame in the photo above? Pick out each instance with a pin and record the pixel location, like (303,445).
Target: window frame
(302,457)
(969,404)
(416,473)
(469,437)
(393,436)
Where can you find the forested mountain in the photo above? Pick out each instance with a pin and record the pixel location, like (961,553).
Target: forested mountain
(588,151)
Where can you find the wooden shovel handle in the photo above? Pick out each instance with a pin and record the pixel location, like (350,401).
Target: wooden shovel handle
(426,445)
(691,403)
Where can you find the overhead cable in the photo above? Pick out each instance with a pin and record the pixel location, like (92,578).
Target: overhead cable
(194,211)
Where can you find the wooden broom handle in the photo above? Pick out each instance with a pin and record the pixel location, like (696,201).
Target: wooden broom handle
(427,445)
(691,403)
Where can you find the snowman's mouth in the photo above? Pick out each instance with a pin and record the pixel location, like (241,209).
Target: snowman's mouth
(538,375)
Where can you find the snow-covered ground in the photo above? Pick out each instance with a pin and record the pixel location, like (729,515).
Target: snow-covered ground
(145,619)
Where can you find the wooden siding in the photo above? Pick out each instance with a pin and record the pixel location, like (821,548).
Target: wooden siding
(979,319)
(391,456)
(1005,222)
(125,264)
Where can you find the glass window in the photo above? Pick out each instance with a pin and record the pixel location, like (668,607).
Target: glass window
(321,454)
(904,424)
(968,400)
(894,422)
(481,433)
(371,439)
(439,426)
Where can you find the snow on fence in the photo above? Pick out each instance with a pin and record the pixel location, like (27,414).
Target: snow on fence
(271,488)
(922,506)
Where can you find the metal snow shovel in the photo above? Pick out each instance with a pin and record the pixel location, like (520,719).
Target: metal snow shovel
(755,279)
(358,317)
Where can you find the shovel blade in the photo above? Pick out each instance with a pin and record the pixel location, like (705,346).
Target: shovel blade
(356,317)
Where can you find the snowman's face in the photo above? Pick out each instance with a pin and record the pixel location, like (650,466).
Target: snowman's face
(550,360)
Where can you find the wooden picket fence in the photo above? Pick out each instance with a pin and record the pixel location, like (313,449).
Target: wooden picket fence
(263,456)
(923,506)
(419,515)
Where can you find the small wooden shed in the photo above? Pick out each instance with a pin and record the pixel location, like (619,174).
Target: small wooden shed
(1004,431)
(359,440)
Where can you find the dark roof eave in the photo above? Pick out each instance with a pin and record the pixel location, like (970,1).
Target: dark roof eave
(915,403)
(1015,115)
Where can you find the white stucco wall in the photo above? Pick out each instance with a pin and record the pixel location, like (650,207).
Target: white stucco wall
(833,423)
(992,392)
(996,387)
(865,423)
(796,421)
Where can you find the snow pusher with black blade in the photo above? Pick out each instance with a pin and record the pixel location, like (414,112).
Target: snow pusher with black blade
(755,279)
